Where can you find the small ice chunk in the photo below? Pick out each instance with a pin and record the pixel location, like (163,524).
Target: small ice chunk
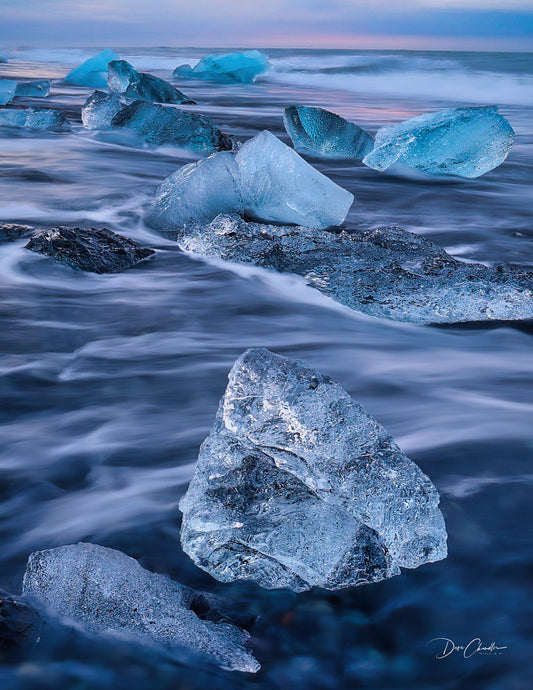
(227,67)
(467,142)
(36,89)
(99,109)
(196,193)
(93,72)
(34,118)
(124,79)
(278,185)
(106,592)
(94,250)
(3,59)
(8,89)
(323,133)
(322,494)
(386,272)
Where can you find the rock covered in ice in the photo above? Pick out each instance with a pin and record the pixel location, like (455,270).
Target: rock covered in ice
(8,88)
(159,124)
(39,88)
(20,627)
(195,193)
(467,142)
(278,185)
(106,591)
(124,79)
(34,118)
(242,67)
(13,231)
(298,486)
(386,272)
(100,108)
(324,133)
(93,72)
(94,250)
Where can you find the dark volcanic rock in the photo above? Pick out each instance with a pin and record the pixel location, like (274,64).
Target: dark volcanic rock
(20,627)
(95,250)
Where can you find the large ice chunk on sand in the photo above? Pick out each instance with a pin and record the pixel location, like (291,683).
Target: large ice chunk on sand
(324,133)
(467,142)
(106,591)
(298,486)
(34,118)
(195,194)
(124,79)
(93,72)
(278,185)
(8,89)
(386,272)
(99,109)
(40,88)
(227,67)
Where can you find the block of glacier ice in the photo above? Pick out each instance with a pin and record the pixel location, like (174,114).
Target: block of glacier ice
(105,591)
(8,88)
(386,272)
(39,88)
(324,133)
(227,67)
(93,72)
(278,185)
(34,118)
(467,142)
(298,486)
(3,58)
(159,124)
(196,193)
(99,109)
(122,78)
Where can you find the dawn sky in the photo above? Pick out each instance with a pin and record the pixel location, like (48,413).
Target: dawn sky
(489,24)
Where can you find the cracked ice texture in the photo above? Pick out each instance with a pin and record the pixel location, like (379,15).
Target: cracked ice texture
(386,272)
(125,80)
(227,68)
(8,89)
(297,486)
(467,142)
(106,591)
(324,133)
(93,72)
(99,109)
(29,118)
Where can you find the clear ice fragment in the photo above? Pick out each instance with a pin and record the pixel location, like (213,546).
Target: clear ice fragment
(34,118)
(39,88)
(226,68)
(8,89)
(125,80)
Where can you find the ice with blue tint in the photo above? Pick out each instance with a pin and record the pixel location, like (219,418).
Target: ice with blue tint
(196,193)
(227,68)
(30,118)
(124,79)
(278,185)
(99,109)
(323,133)
(467,142)
(93,72)
(106,592)
(39,88)
(386,272)
(298,486)
(3,58)
(8,89)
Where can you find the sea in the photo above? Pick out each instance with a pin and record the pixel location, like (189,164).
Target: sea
(110,383)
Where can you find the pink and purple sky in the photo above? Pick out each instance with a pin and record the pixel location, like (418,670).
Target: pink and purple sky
(381,24)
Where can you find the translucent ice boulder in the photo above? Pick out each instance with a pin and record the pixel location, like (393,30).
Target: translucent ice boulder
(8,89)
(227,67)
(99,109)
(467,142)
(278,185)
(298,486)
(387,272)
(196,193)
(93,72)
(124,79)
(106,592)
(324,133)
(3,58)
(36,89)
(38,118)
